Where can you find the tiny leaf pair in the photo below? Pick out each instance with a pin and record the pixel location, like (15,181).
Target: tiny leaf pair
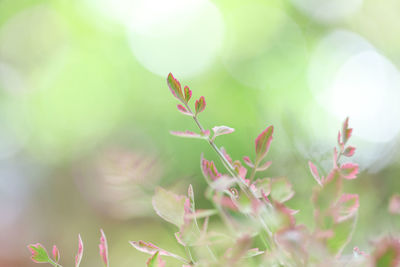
(176,89)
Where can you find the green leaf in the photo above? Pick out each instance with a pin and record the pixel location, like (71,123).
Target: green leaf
(150,248)
(39,253)
(281,189)
(200,105)
(342,233)
(169,206)
(189,134)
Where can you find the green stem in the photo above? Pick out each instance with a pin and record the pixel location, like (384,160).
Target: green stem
(243,186)
(253,171)
(189,254)
(54,263)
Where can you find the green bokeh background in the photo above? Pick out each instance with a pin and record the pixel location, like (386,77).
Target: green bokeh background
(71,89)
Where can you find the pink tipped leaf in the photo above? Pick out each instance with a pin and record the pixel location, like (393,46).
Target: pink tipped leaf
(346,207)
(188,93)
(189,134)
(103,248)
(169,206)
(56,254)
(314,172)
(339,137)
(262,187)
(226,155)
(175,87)
(264,166)
(183,110)
(221,130)
(349,151)
(209,170)
(248,162)
(346,131)
(149,248)
(78,257)
(349,170)
(387,253)
(335,158)
(155,261)
(39,253)
(281,189)
(200,105)
(263,142)
(394,204)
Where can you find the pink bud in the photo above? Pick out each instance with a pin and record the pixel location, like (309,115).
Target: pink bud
(56,253)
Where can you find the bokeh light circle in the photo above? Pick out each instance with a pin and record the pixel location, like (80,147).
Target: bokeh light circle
(354,80)
(328,11)
(263,47)
(179,36)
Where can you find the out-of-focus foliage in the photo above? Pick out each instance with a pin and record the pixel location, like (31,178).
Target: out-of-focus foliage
(82,99)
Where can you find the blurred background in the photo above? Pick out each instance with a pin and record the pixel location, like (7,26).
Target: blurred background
(85,112)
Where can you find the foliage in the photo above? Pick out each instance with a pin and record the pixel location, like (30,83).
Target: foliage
(261,229)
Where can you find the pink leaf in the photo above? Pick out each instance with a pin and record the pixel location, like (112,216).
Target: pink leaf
(394,204)
(189,134)
(226,155)
(200,105)
(264,167)
(387,253)
(281,189)
(56,254)
(188,93)
(174,86)
(220,130)
(349,151)
(314,172)
(248,162)
(346,131)
(263,142)
(358,252)
(39,253)
(242,171)
(338,139)
(346,207)
(262,187)
(286,214)
(103,248)
(209,170)
(335,158)
(78,256)
(169,206)
(150,248)
(183,110)
(226,202)
(349,170)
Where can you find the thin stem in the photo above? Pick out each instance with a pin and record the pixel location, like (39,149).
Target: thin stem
(189,254)
(226,163)
(243,186)
(253,171)
(54,263)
